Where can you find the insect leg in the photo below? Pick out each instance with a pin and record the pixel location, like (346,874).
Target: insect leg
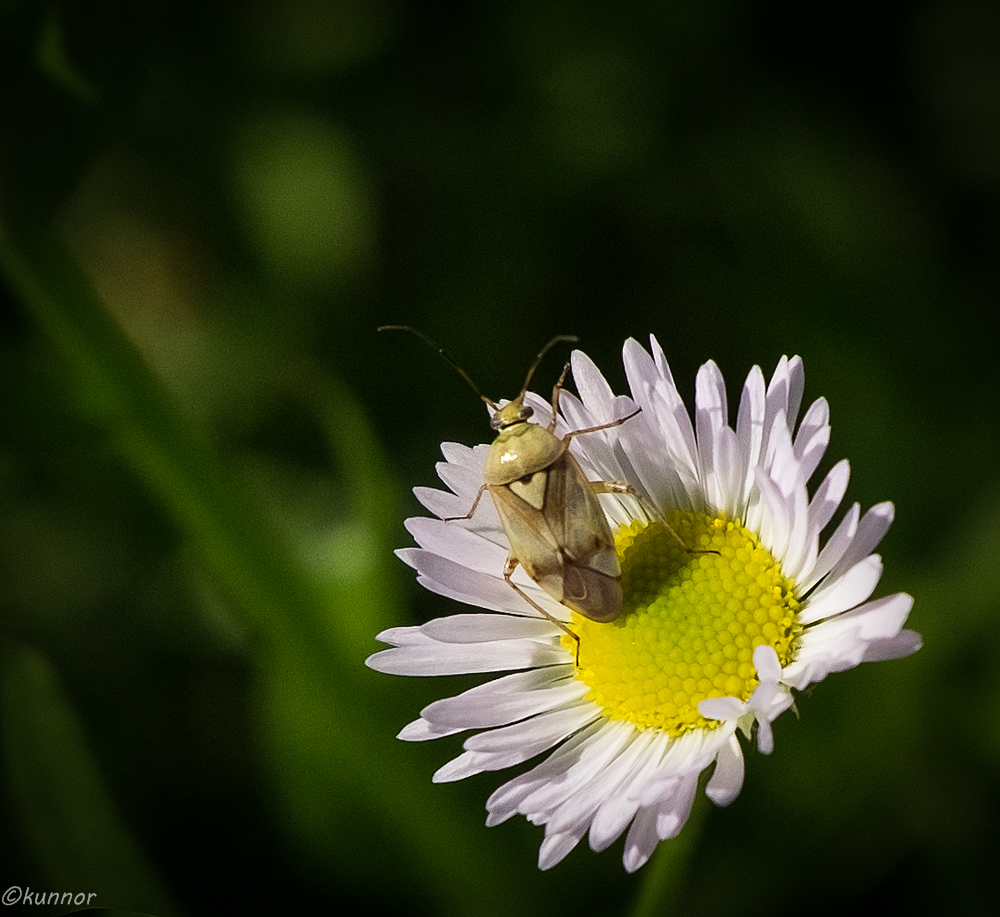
(556,391)
(618,487)
(508,571)
(469,514)
(603,426)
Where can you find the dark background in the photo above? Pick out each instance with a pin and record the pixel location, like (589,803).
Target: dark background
(206,451)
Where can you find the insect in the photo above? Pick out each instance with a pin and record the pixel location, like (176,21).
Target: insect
(549,510)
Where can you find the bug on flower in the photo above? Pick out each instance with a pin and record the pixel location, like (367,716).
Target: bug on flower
(557,530)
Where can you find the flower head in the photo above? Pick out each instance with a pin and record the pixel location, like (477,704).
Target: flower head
(730,605)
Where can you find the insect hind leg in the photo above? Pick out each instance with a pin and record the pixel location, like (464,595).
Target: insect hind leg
(508,571)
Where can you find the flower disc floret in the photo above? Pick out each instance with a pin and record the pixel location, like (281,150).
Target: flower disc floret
(690,624)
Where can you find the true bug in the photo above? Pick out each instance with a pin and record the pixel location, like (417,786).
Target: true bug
(549,510)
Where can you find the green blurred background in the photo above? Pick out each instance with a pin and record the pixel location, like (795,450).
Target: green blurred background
(206,451)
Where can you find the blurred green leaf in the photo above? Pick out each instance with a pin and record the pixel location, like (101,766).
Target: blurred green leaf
(320,714)
(77,832)
(663,880)
(54,60)
(119,394)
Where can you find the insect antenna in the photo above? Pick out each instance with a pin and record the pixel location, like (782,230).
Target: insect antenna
(430,342)
(569,338)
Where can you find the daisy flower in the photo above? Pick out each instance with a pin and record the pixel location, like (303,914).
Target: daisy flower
(729,607)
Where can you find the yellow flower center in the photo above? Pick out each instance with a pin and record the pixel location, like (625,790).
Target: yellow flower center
(690,623)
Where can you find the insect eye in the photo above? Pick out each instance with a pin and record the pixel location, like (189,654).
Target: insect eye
(526,413)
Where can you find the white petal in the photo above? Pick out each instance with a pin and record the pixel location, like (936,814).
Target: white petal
(507,799)
(847,591)
(456,539)
(766,664)
(880,619)
(727,779)
(440,502)
(542,408)
(460,454)
(671,425)
(835,547)
(905,643)
(676,808)
(507,699)
(599,453)
(536,734)
(775,518)
(812,437)
(434,658)
(609,787)
(452,540)
(640,370)
(728,483)
(422,731)
(484,628)
(400,636)
(656,471)
(821,510)
(749,435)
(641,840)
(722,708)
(660,361)
(871,530)
(768,701)
(494,595)
(784,395)
(829,495)
(786,473)
(765,737)
(463,480)
(514,744)
(594,390)
(470,763)
(556,847)
(601,749)
(842,642)
(449,578)
(688,755)
(710,419)
(615,812)
(452,579)
(796,386)
(776,397)
(779,456)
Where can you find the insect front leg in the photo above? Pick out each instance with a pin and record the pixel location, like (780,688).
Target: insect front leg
(556,392)
(603,426)
(472,510)
(508,571)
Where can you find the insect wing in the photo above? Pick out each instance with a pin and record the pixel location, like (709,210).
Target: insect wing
(591,569)
(594,594)
(532,542)
(571,557)
(577,519)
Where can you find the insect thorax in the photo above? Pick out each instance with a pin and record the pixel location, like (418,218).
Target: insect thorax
(521,449)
